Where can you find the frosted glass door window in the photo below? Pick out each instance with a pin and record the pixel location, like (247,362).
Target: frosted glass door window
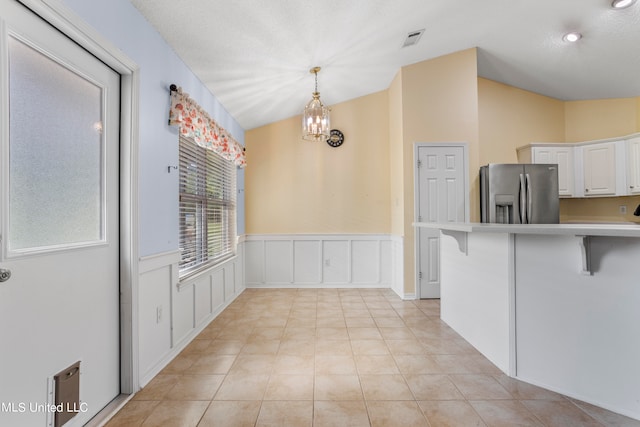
(55,153)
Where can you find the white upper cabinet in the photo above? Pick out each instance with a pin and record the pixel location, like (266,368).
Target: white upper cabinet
(633,165)
(563,157)
(599,169)
(560,154)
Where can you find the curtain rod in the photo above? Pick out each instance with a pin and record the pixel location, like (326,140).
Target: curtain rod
(173,88)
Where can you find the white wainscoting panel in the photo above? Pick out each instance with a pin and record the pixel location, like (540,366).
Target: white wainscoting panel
(156,275)
(363,252)
(307,262)
(202,299)
(315,260)
(386,253)
(155,333)
(278,261)
(335,254)
(183,311)
(173,312)
(254,261)
(223,286)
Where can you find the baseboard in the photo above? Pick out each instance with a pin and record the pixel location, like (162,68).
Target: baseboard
(319,286)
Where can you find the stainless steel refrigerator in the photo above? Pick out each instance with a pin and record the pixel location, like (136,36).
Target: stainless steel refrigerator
(519,194)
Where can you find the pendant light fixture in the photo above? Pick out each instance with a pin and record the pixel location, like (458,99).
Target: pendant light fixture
(315,118)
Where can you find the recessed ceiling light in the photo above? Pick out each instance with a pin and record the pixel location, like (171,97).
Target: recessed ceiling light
(572,37)
(621,4)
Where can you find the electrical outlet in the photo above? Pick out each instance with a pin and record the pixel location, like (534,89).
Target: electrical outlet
(622,209)
(159,314)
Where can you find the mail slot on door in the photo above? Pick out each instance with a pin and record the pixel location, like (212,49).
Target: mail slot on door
(67,394)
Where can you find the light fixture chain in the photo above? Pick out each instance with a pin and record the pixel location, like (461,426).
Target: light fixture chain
(316,74)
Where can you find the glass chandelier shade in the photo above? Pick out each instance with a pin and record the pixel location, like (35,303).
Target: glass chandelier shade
(315,118)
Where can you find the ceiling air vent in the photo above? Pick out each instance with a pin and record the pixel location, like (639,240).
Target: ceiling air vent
(412,38)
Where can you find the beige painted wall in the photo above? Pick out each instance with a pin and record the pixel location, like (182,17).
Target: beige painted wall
(512,117)
(600,119)
(297,186)
(439,104)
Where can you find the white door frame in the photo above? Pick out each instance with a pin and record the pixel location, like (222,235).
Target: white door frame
(76,29)
(416,199)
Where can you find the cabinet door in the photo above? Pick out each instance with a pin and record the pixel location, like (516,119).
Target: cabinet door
(633,165)
(543,154)
(599,169)
(563,156)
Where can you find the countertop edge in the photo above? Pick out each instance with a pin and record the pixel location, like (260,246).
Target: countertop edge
(612,230)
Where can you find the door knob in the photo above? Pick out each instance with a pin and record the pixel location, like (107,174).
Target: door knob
(4,275)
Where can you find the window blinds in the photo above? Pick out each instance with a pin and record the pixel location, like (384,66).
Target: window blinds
(207,207)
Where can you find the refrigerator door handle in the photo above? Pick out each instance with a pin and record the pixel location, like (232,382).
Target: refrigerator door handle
(523,191)
(529,199)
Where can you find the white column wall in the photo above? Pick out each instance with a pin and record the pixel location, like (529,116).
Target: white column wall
(476,299)
(560,311)
(580,334)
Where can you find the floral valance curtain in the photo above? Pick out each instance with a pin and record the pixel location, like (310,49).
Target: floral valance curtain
(195,123)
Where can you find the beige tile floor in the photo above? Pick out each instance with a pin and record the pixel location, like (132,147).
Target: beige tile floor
(342,357)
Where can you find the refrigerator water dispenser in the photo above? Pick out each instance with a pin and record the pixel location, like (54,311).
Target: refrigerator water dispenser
(504,208)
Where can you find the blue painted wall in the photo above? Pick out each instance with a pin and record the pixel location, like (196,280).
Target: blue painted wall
(122,25)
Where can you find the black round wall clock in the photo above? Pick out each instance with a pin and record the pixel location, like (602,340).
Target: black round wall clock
(336,138)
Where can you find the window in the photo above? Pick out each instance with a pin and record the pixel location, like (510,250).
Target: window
(207,207)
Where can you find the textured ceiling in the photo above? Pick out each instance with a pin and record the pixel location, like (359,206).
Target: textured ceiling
(255,55)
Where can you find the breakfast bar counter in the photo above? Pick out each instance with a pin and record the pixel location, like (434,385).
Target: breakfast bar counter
(555,305)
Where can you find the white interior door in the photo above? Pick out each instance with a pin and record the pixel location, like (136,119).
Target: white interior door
(441,198)
(60,146)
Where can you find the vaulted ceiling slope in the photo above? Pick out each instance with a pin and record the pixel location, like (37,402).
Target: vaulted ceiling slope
(255,55)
